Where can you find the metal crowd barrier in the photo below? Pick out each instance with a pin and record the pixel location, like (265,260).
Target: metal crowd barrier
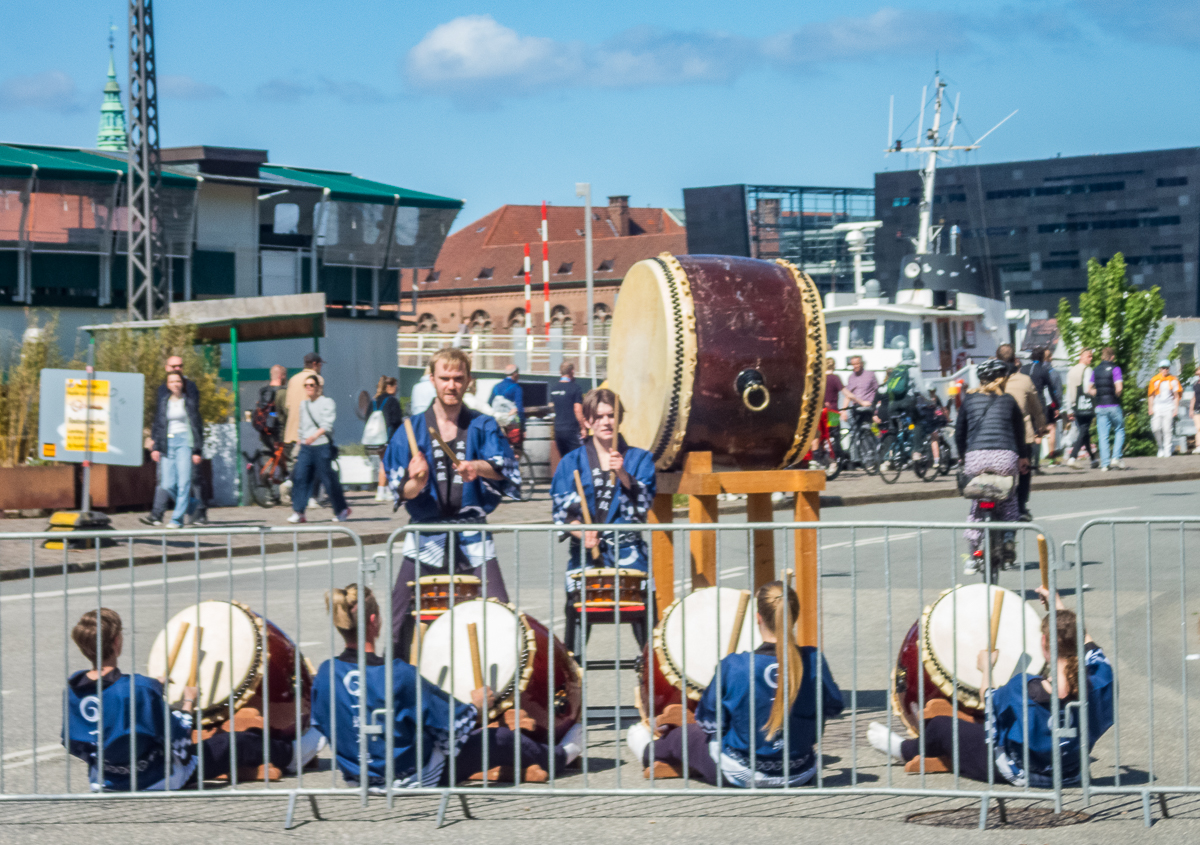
(875,578)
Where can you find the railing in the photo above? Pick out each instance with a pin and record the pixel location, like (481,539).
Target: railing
(533,353)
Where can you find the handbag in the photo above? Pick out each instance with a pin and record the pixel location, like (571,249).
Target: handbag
(333,449)
(961,478)
(375,431)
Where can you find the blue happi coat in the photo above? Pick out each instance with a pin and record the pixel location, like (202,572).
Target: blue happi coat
(1006,722)
(335,714)
(484,441)
(740,726)
(157,734)
(629,507)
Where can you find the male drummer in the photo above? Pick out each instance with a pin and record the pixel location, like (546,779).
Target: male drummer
(436,489)
(105,692)
(618,483)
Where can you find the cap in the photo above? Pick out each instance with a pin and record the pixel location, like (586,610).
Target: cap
(1164,363)
(908,354)
(313,358)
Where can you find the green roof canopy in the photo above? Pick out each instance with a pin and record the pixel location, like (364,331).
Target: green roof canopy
(350,188)
(71,163)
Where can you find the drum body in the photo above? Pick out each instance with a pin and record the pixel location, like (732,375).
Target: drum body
(604,588)
(516,655)
(688,644)
(720,354)
(246,664)
(942,648)
(435,592)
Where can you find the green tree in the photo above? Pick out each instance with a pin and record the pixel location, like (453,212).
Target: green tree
(20,386)
(1113,312)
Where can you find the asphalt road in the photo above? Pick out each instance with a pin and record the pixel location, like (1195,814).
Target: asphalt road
(1140,600)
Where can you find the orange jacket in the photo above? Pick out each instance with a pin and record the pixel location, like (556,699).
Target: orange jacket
(1159,378)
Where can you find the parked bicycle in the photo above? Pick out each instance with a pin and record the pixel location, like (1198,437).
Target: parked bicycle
(266,469)
(896,447)
(516,439)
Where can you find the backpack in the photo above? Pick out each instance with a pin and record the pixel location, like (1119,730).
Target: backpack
(896,386)
(375,431)
(266,418)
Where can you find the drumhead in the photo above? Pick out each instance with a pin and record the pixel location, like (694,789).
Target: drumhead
(446,579)
(504,647)
(652,356)
(972,605)
(697,621)
(230,653)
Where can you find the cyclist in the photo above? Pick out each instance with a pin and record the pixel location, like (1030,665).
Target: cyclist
(990,435)
(900,396)
(860,391)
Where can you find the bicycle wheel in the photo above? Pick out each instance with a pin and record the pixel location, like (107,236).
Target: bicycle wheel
(262,489)
(833,462)
(921,468)
(528,484)
(891,459)
(868,450)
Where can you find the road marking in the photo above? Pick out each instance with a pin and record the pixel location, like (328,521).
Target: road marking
(52,755)
(1083,513)
(177,579)
(12,755)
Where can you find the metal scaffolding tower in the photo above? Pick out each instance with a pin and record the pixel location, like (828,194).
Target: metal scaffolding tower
(147,291)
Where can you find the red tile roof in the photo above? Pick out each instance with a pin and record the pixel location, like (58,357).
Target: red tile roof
(497,241)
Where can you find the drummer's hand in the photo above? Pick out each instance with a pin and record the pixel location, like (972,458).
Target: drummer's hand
(1044,594)
(981,662)
(479,696)
(591,539)
(467,470)
(418,467)
(189,698)
(616,461)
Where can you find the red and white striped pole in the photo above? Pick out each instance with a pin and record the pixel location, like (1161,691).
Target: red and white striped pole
(528,300)
(545,270)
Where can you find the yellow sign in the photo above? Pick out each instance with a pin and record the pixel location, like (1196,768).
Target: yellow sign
(48,450)
(79,421)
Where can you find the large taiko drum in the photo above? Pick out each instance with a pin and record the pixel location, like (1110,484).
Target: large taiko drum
(515,652)
(689,642)
(242,656)
(720,354)
(942,653)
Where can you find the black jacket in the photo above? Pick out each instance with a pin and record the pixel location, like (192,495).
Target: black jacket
(1039,374)
(191,401)
(989,422)
(393,416)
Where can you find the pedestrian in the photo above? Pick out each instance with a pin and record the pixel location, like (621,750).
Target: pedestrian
(162,498)
(511,390)
(1104,385)
(422,395)
(383,419)
(570,428)
(1164,392)
(1081,408)
(1194,410)
(178,436)
(1049,387)
(295,395)
(317,415)
(1020,387)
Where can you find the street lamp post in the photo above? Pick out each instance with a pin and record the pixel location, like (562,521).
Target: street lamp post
(584,189)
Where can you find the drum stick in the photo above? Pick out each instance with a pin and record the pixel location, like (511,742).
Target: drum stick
(437,437)
(194,672)
(997,606)
(412,438)
(587,514)
(476,662)
(179,635)
(612,474)
(738,620)
(1044,561)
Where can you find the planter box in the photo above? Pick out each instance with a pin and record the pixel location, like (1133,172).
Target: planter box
(25,487)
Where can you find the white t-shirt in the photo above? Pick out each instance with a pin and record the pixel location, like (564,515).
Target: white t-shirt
(177,418)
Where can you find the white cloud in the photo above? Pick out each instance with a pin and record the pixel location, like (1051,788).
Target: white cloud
(283,91)
(51,90)
(887,32)
(187,88)
(352,93)
(1175,22)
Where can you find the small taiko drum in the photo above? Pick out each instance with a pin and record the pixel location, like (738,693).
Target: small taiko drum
(718,354)
(523,664)
(605,589)
(434,594)
(941,650)
(246,663)
(692,638)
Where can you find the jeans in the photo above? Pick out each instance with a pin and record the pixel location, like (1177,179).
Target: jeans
(1163,426)
(316,463)
(177,475)
(1110,418)
(974,759)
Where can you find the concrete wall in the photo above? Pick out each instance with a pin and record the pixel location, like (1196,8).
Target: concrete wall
(227,220)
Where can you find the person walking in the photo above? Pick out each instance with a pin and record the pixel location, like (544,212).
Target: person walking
(422,396)
(511,390)
(1194,409)
(1049,387)
(1165,391)
(162,499)
(178,435)
(383,419)
(295,395)
(1081,409)
(1020,387)
(570,428)
(1104,385)
(317,415)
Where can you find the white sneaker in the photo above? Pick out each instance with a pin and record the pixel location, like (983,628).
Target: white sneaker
(970,565)
(1119,463)
(296,518)
(311,743)
(884,741)
(381,494)
(638,737)
(313,503)
(1070,462)
(1104,469)
(572,743)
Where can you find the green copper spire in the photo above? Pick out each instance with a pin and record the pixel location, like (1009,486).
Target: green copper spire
(112,113)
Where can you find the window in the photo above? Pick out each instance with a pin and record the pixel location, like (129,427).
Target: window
(1061,264)
(564,269)
(862,334)
(427,323)
(895,334)
(605,266)
(1121,223)
(516,318)
(601,320)
(520,272)
(831,334)
(899,202)
(433,276)
(1172,182)
(287,219)
(481,323)
(486,272)
(968,334)
(927,337)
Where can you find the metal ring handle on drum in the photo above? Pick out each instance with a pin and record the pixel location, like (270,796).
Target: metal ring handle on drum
(750,382)
(759,389)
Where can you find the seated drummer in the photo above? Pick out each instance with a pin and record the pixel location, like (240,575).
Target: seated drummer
(335,713)
(623,503)
(764,726)
(1006,716)
(157,733)
(436,490)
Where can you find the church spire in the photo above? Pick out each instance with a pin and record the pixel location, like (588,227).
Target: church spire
(112,134)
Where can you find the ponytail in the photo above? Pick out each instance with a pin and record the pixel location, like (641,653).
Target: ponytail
(1068,648)
(342,605)
(780,617)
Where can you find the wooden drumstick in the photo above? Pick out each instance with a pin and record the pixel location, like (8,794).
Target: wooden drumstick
(437,438)
(1044,560)
(612,473)
(477,667)
(194,672)
(587,514)
(997,606)
(412,438)
(171,658)
(738,620)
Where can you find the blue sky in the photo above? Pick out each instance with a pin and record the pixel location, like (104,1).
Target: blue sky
(500,102)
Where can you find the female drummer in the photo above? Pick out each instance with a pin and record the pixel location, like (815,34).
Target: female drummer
(1006,716)
(449,727)
(618,482)
(725,708)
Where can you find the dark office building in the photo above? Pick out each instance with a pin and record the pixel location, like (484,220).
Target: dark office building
(1033,225)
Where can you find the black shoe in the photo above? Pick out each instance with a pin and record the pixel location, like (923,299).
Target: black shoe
(1025,516)
(151,520)
(200,519)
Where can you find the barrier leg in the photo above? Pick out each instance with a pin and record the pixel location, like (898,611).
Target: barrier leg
(758,509)
(662,552)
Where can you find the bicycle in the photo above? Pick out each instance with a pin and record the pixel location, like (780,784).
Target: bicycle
(828,454)
(945,461)
(265,471)
(896,448)
(863,441)
(516,439)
